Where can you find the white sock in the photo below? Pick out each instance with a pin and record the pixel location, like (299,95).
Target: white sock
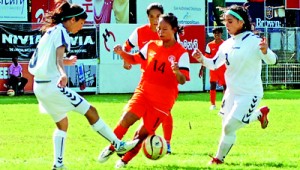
(225,146)
(105,132)
(59,138)
(255,115)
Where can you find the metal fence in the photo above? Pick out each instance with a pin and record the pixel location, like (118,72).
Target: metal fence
(281,73)
(285,42)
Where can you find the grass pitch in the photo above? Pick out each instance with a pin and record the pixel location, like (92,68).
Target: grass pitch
(26,135)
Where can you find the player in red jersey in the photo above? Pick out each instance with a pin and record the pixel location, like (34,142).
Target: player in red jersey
(216,76)
(138,38)
(165,64)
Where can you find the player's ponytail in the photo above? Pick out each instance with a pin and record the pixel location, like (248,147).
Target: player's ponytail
(63,12)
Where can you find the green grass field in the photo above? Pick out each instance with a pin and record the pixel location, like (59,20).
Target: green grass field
(26,135)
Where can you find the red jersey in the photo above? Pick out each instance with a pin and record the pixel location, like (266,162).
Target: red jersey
(139,37)
(212,49)
(158,82)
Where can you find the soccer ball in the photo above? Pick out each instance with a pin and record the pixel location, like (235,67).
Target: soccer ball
(10,92)
(154,147)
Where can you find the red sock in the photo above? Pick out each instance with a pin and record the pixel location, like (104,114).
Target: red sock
(167,126)
(120,131)
(132,153)
(213,94)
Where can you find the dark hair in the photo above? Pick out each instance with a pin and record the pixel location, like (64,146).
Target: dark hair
(244,13)
(155,5)
(172,20)
(217,29)
(63,12)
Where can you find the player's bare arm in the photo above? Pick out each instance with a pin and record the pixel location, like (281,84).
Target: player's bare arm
(70,61)
(60,66)
(180,77)
(126,56)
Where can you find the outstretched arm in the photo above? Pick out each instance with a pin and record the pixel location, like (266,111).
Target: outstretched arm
(267,54)
(129,58)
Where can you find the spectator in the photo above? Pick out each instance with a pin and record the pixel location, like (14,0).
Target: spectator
(15,77)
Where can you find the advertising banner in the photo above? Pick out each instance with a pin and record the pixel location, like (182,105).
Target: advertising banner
(16,10)
(193,37)
(22,44)
(111,35)
(17,43)
(83,44)
(292,4)
(39,9)
(192,12)
(4,75)
(83,76)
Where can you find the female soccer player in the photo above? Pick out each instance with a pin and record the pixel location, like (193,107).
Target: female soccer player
(165,64)
(216,76)
(243,54)
(50,79)
(138,38)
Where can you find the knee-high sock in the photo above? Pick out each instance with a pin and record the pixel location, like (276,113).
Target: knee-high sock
(228,137)
(167,126)
(120,131)
(106,132)
(213,94)
(255,115)
(59,139)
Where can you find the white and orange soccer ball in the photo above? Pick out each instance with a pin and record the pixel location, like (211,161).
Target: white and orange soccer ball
(10,92)
(154,147)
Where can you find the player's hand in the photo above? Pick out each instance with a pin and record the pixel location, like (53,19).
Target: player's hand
(118,49)
(127,66)
(263,45)
(197,54)
(71,60)
(175,67)
(63,80)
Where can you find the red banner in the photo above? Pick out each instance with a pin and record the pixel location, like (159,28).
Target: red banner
(292,4)
(4,76)
(193,37)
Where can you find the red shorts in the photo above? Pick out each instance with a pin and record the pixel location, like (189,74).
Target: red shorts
(218,75)
(151,114)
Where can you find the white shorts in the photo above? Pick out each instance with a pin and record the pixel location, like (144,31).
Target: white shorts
(239,106)
(58,101)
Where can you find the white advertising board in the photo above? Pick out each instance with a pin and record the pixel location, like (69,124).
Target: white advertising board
(187,12)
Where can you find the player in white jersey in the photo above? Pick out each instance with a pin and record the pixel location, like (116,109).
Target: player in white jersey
(50,79)
(243,54)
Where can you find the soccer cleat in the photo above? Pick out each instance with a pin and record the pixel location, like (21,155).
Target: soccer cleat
(215,161)
(212,107)
(264,116)
(168,148)
(105,154)
(62,167)
(124,147)
(120,164)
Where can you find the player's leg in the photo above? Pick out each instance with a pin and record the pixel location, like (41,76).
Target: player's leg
(133,111)
(59,140)
(167,126)
(141,134)
(241,108)
(227,139)
(151,120)
(213,94)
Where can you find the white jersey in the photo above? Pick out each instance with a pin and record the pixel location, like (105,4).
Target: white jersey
(243,60)
(43,62)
